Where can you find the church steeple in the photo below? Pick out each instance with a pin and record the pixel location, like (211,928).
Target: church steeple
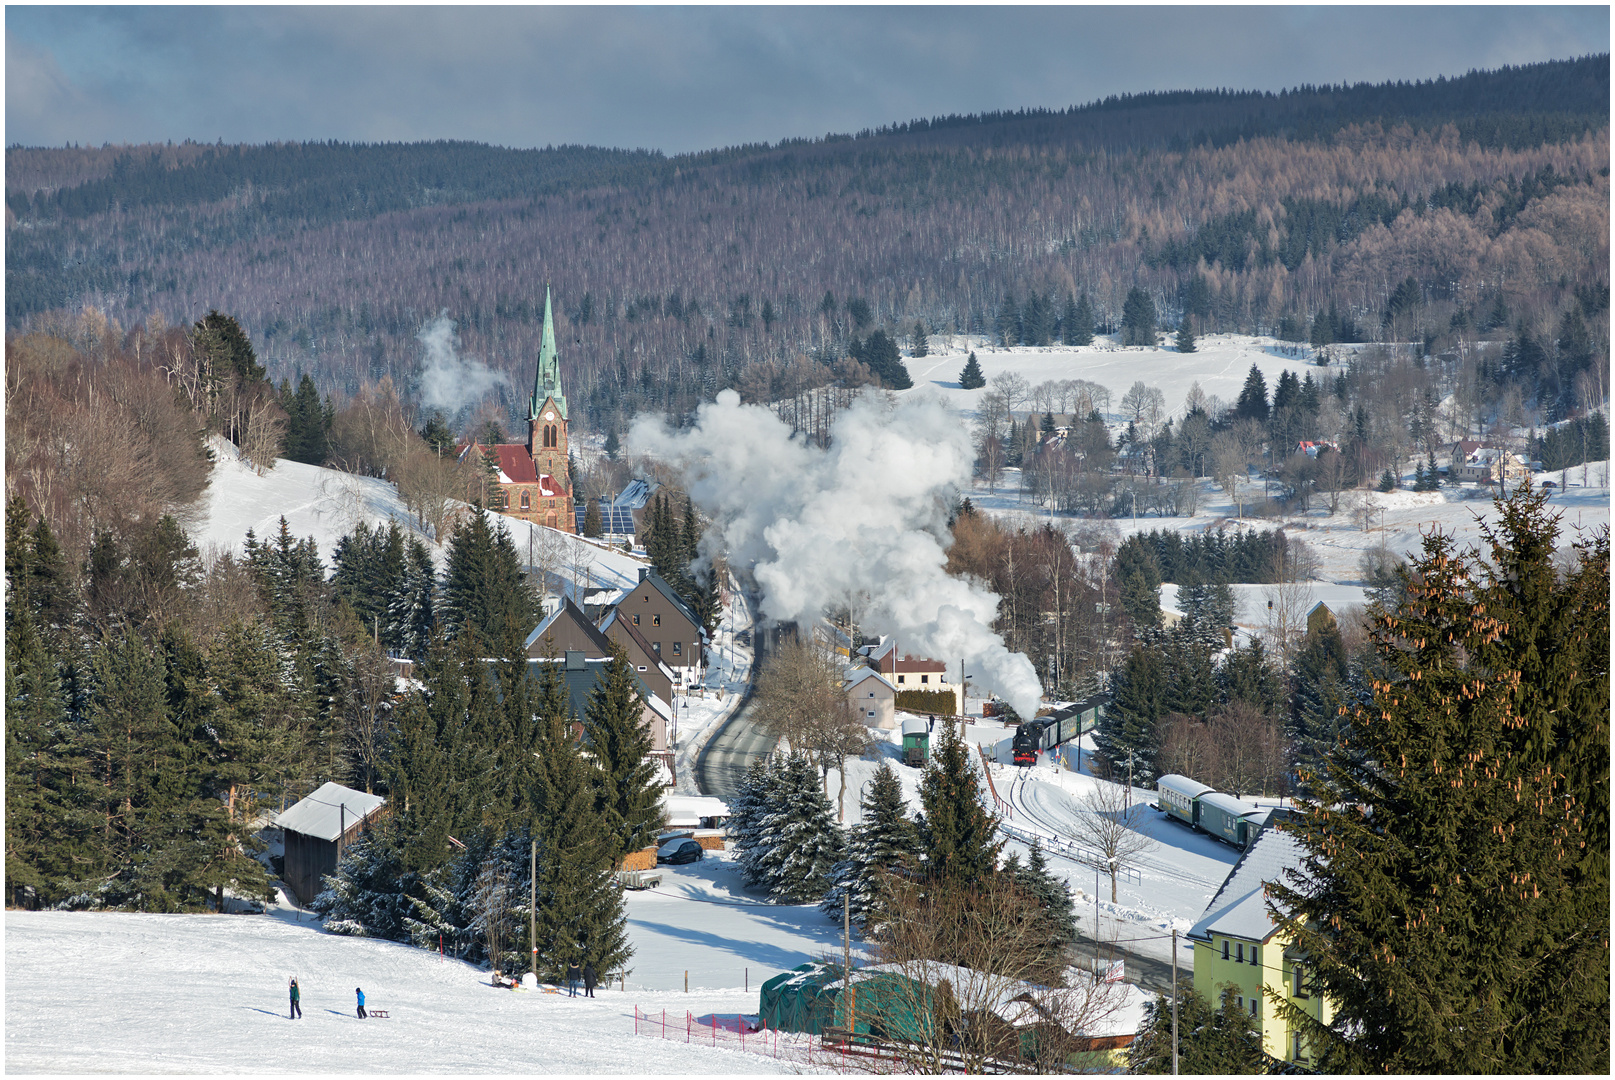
(547,382)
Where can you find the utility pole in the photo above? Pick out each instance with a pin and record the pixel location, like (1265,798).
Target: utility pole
(1174,1002)
(532,914)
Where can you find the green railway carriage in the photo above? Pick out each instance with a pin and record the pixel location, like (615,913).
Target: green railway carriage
(1177,797)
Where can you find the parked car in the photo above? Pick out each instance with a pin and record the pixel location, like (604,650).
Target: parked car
(680,851)
(1548,484)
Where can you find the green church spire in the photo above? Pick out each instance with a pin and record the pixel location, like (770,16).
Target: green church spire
(547,383)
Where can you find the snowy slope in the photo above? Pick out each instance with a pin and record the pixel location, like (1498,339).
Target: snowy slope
(114,992)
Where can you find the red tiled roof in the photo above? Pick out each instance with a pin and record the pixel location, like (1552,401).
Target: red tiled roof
(912,664)
(516,463)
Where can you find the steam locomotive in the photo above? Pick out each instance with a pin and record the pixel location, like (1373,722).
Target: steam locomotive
(1045,732)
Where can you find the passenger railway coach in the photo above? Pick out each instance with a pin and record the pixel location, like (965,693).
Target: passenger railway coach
(1201,807)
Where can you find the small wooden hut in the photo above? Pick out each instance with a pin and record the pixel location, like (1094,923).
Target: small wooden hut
(317,829)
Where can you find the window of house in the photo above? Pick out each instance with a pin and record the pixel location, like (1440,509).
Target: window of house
(1239,952)
(657,646)
(636,623)
(869,714)
(527,500)
(678,648)
(871,693)
(1298,1055)
(656,620)
(1239,1001)
(1256,1007)
(925,678)
(641,667)
(1254,961)
(1225,948)
(900,679)
(1301,981)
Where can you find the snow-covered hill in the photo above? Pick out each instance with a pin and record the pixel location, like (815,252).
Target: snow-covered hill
(1396,520)
(327,504)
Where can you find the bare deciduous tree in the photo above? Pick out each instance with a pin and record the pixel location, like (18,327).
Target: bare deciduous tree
(1109,822)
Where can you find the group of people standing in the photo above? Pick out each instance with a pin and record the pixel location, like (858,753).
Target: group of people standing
(297,1001)
(586,973)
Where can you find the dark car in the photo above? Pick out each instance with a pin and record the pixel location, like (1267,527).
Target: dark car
(680,851)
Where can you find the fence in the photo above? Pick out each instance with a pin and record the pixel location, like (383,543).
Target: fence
(736,1032)
(1061,846)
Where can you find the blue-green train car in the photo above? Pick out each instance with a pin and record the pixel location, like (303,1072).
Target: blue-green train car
(1176,795)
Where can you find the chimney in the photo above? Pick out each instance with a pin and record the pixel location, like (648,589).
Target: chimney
(575,660)
(644,573)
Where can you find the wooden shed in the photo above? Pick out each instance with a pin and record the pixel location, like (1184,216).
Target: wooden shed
(317,830)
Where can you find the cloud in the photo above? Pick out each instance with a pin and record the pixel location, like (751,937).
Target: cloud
(690,78)
(866,518)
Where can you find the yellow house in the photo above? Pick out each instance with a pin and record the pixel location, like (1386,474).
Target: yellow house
(1236,942)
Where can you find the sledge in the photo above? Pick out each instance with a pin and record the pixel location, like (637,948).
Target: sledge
(379,1014)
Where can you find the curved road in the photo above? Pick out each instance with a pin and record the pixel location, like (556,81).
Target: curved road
(723,761)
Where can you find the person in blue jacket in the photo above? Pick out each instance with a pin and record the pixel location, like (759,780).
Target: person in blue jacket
(360,992)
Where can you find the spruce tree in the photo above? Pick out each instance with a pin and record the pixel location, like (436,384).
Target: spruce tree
(483,585)
(971,377)
(368,896)
(630,793)
(1185,339)
(1078,327)
(884,840)
(959,834)
(1138,318)
(921,340)
(800,836)
(1454,904)
(410,607)
(418,788)
(1055,928)
(753,801)
(1127,730)
(1252,403)
(1222,1041)
(580,910)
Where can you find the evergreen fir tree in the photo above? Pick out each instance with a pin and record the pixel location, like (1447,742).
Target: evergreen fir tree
(1078,326)
(971,377)
(1127,730)
(1185,340)
(308,423)
(1138,318)
(368,896)
(921,340)
(802,840)
(1458,856)
(483,585)
(1221,1041)
(580,910)
(418,779)
(1248,675)
(1252,403)
(591,520)
(630,793)
(1387,480)
(754,800)
(1056,925)
(884,840)
(959,832)
(410,609)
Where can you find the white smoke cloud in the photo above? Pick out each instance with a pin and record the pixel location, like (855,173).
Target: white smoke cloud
(867,515)
(449,381)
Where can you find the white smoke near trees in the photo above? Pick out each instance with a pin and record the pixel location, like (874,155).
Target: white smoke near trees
(867,516)
(448,381)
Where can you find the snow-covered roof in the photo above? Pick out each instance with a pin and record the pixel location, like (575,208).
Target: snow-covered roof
(1223,801)
(857,676)
(1117,1008)
(322,813)
(688,810)
(1240,909)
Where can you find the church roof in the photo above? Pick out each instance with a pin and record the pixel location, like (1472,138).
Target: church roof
(516,467)
(547,380)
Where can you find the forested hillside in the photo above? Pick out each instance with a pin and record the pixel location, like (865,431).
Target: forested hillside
(1426,212)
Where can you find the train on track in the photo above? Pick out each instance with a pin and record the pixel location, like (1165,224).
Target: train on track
(1046,732)
(1201,807)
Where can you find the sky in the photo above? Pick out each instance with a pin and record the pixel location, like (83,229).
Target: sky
(679,79)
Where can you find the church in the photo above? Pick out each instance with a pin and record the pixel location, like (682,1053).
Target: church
(535,483)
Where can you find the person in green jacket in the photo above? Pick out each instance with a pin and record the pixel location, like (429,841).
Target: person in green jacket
(297,997)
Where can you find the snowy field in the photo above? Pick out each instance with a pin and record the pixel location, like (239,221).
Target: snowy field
(114,992)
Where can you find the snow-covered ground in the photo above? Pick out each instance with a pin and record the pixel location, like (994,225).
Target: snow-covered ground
(114,992)
(1363,520)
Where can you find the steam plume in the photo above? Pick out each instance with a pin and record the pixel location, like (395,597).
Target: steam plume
(449,381)
(867,515)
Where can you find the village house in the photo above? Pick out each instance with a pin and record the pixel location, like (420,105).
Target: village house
(1490,465)
(907,672)
(872,697)
(1236,942)
(664,620)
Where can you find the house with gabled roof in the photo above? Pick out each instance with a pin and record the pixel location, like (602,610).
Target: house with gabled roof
(317,829)
(662,617)
(567,629)
(1237,942)
(872,697)
(655,674)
